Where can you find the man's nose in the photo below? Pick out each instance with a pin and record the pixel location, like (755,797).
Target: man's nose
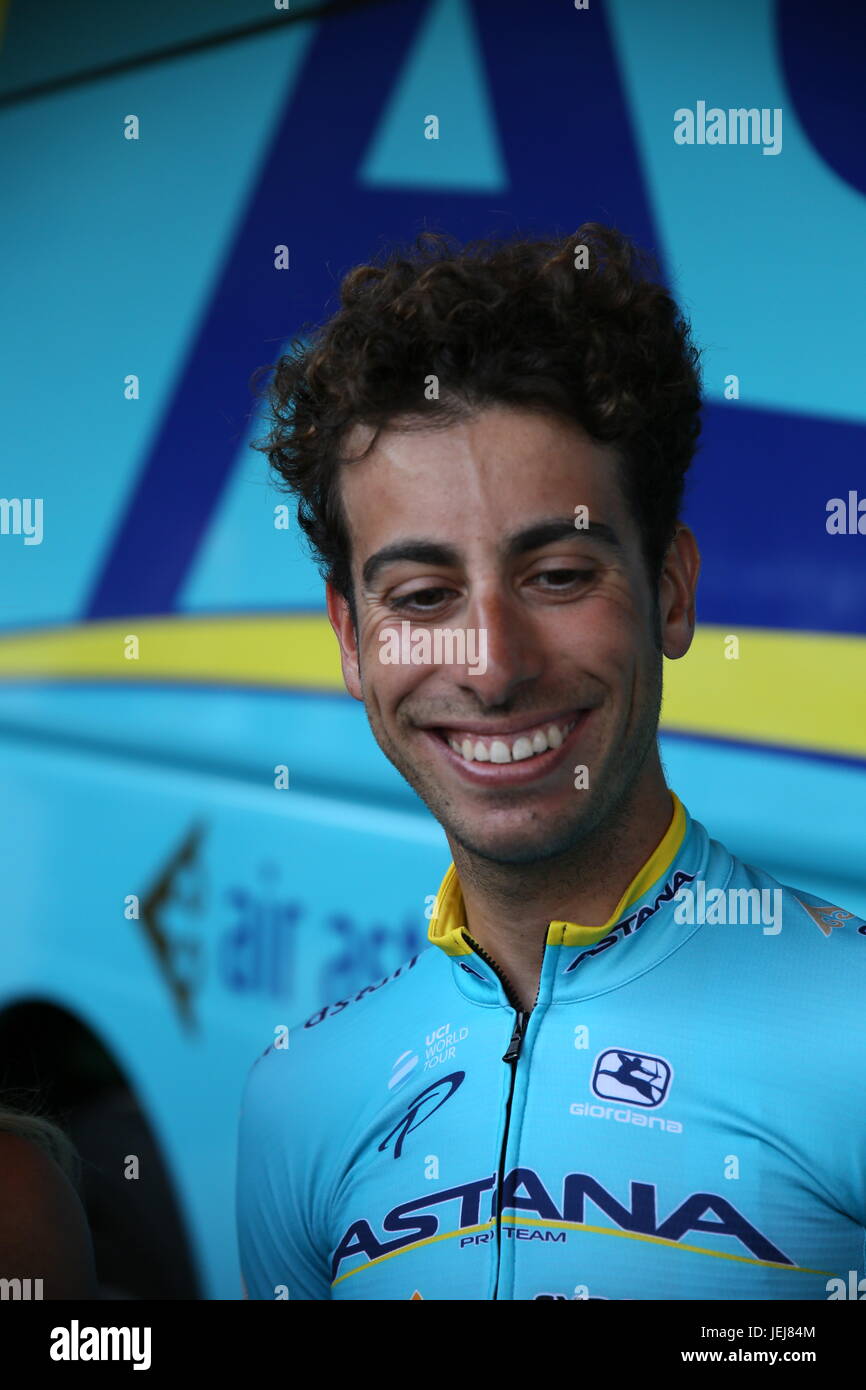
(507,650)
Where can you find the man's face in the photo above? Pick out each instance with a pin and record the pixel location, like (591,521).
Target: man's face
(457,528)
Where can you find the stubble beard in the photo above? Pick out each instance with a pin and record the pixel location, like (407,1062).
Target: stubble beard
(606,800)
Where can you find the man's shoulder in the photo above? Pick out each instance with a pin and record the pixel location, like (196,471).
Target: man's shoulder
(370,1005)
(338,1041)
(818,918)
(812,928)
(832,920)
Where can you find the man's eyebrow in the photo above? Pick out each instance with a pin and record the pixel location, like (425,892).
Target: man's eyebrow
(423,551)
(560,529)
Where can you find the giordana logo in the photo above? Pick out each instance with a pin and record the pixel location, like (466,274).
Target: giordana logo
(402,1069)
(425,1104)
(636,1077)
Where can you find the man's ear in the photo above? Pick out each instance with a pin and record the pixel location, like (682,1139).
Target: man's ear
(341,621)
(677,585)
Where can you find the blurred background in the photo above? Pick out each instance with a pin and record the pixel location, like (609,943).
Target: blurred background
(164,907)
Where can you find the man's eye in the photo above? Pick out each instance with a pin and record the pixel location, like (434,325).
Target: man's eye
(562,577)
(412,600)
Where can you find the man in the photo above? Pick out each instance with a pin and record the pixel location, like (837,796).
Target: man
(640,1097)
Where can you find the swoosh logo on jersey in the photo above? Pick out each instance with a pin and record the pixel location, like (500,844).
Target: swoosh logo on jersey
(420,1109)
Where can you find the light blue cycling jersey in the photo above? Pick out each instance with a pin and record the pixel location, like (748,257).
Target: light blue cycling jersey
(682,1115)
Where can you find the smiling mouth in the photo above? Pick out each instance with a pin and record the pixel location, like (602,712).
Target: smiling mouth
(509,748)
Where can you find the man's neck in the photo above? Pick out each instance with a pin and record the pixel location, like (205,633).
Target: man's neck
(510,906)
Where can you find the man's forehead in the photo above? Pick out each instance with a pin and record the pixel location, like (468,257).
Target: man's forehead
(496,435)
(380,498)
(356,441)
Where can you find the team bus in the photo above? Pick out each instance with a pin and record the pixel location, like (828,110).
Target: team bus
(200,841)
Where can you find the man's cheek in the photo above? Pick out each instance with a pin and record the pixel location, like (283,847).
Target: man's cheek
(608,660)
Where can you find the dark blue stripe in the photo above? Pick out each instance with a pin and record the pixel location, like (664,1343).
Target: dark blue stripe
(562,119)
(781,750)
(757,501)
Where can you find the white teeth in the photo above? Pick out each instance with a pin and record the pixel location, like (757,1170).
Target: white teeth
(499,751)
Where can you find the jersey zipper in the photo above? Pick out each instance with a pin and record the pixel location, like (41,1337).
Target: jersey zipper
(510,1056)
(507,986)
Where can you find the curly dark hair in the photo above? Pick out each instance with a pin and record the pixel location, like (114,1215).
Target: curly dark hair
(537,324)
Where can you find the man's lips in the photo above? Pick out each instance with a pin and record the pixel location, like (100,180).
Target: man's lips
(485,728)
(489,772)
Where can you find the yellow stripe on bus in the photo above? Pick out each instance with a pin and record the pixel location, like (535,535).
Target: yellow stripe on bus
(801,690)
(276,650)
(794,689)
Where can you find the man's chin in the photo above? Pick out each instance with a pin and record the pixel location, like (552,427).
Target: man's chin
(505,834)
(529,845)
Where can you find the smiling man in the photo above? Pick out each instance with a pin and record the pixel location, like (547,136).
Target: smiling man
(494,441)
(572,659)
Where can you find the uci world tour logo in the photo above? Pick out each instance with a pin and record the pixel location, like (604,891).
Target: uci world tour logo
(635,1077)
(425,1104)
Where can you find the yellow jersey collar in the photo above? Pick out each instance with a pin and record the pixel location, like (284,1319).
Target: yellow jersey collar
(448,918)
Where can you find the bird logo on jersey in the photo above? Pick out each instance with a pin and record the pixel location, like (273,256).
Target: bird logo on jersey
(635,1077)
